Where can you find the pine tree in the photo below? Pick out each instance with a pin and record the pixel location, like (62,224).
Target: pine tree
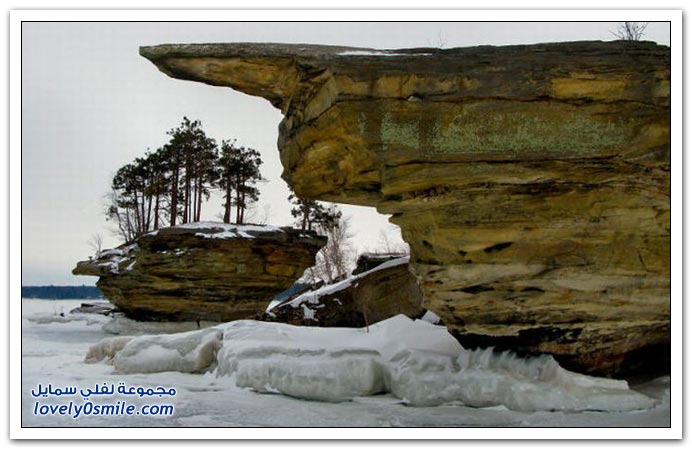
(158,186)
(193,158)
(227,167)
(171,184)
(313,215)
(239,174)
(206,174)
(136,194)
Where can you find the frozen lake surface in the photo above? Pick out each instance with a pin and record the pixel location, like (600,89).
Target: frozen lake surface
(250,354)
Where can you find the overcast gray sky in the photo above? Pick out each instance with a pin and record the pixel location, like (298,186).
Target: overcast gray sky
(91,104)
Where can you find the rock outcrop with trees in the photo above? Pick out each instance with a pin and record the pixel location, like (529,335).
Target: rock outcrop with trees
(202,271)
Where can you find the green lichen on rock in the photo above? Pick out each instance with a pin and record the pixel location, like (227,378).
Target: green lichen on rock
(517,134)
(393,132)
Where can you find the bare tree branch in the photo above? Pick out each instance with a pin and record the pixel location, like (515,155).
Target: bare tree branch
(96,244)
(630,31)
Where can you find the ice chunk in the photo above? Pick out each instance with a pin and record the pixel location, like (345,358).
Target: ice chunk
(327,364)
(482,378)
(188,352)
(106,349)
(334,376)
(399,332)
(430,317)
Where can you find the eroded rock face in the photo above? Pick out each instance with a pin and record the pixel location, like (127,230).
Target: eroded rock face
(532,183)
(365,298)
(202,271)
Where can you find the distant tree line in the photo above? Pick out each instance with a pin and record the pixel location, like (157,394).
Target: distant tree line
(168,186)
(62,292)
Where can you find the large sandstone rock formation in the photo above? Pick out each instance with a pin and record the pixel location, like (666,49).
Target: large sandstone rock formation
(202,271)
(532,183)
(362,299)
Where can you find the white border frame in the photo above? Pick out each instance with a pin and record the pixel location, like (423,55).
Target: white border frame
(17,16)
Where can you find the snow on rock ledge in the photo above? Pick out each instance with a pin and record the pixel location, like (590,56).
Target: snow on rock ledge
(214,230)
(418,362)
(202,271)
(371,296)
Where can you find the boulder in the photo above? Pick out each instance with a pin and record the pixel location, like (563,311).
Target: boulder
(368,261)
(362,299)
(202,271)
(531,182)
(104,309)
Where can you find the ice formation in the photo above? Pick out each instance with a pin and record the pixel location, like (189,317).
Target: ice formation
(482,378)
(416,361)
(56,350)
(430,317)
(106,349)
(187,352)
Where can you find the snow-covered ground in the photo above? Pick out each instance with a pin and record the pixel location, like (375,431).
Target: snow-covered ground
(227,230)
(398,373)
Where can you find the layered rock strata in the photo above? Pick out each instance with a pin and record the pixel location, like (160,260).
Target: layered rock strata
(532,183)
(202,271)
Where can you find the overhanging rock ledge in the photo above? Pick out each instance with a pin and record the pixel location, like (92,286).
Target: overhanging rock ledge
(531,182)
